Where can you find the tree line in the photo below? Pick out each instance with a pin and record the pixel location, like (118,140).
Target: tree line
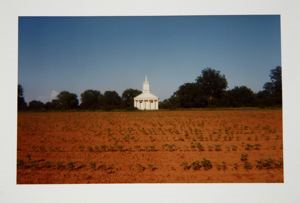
(90,100)
(208,90)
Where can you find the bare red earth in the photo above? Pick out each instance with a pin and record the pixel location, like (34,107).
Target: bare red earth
(150,147)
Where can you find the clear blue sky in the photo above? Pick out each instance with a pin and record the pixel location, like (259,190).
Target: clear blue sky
(115,53)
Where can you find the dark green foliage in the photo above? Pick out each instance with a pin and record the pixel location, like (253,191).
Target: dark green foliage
(67,100)
(212,85)
(272,93)
(128,96)
(112,100)
(269,164)
(240,97)
(244,157)
(64,101)
(53,105)
(197,165)
(171,103)
(198,146)
(71,165)
(36,106)
(206,164)
(208,90)
(190,95)
(91,99)
(21,101)
(247,165)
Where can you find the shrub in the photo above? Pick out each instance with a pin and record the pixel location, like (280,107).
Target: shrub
(269,164)
(196,165)
(169,147)
(206,164)
(71,165)
(247,165)
(244,157)
(198,146)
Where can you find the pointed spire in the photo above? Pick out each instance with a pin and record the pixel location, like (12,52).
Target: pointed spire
(146,86)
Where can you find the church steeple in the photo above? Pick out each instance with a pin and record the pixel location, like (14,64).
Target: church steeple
(146,85)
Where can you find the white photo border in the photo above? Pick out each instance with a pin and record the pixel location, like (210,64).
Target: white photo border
(290,41)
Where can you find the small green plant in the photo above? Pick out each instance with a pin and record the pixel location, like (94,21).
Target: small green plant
(150,148)
(169,147)
(185,165)
(48,164)
(244,157)
(206,164)
(196,165)
(71,165)
(269,164)
(198,146)
(93,165)
(247,165)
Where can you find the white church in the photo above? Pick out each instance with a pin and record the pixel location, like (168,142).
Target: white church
(146,100)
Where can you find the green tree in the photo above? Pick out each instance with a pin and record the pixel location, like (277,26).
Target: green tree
(190,95)
(36,105)
(112,100)
(170,103)
(66,100)
(21,101)
(240,96)
(128,96)
(91,99)
(212,85)
(273,89)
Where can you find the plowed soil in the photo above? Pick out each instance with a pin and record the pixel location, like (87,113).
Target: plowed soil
(195,146)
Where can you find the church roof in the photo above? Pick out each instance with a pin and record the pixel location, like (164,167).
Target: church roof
(146,95)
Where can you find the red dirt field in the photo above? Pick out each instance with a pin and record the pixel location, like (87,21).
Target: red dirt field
(196,146)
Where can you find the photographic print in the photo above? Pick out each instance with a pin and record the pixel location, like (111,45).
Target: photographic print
(149,99)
